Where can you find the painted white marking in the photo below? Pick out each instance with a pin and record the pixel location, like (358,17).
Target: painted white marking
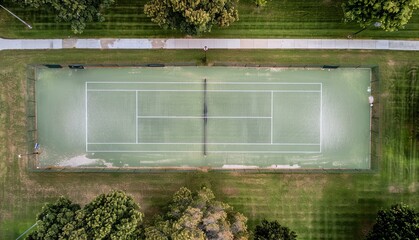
(272,115)
(200,83)
(215,117)
(180,143)
(321,116)
(244,91)
(208,151)
(85,88)
(136,117)
(200,117)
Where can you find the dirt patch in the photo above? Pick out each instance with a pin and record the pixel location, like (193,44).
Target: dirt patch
(413,187)
(3,170)
(391,62)
(230,191)
(385,94)
(105,43)
(158,43)
(395,189)
(69,43)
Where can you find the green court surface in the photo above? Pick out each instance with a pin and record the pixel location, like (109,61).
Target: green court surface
(210,117)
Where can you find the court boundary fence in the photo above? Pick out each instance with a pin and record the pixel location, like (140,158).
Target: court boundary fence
(32,134)
(375,125)
(31,122)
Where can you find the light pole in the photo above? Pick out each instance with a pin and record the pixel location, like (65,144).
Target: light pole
(35,151)
(355,33)
(14,15)
(205,50)
(376,24)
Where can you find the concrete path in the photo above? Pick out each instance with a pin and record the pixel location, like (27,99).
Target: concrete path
(14,44)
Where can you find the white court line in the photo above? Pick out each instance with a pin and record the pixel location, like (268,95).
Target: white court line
(200,83)
(321,117)
(111,151)
(262,144)
(245,117)
(370,148)
(85,88)
(154,90)
(264,152)
(136,117)
(207,151)
(272,115)
(200,117)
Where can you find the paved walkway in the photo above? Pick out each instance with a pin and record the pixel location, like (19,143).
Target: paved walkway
(13,44)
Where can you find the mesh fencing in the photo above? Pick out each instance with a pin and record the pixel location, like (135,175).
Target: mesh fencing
(31,134)
(375,120)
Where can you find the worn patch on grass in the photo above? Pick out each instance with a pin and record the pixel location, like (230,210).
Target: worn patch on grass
(230,191)
(395,189)
(413,187)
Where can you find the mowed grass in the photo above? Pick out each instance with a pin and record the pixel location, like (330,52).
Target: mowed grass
(279,19)
(315,205)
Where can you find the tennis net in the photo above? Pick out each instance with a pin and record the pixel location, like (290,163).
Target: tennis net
(205,118)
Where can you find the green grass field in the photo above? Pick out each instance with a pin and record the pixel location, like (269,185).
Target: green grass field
(279,19)
(316,206)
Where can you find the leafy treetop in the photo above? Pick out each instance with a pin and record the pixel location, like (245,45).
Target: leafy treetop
(198,216)
(109,216)
(75,12)
(192,17)
(273,231)
(398,222)
(391,15)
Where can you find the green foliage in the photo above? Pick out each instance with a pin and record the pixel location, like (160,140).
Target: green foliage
(392,15)
(273,231)
(260,3)
(113,216)
(110,216)
(75,12)
(192,16)
(398,222)
(198,216)
(55,219)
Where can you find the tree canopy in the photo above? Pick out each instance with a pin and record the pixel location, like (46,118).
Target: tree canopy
(273,231)
(53,219)
(109,216)
(391,15)
(398,222)
(198,216)
(75,12)
(192,17)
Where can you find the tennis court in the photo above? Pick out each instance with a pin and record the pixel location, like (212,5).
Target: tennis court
(218,117)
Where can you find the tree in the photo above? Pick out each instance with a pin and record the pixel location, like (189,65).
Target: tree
(198,216)
(273,231)
(75,12)
(192,17)
(391,15)
(53,218)
(109,216)
(398,222)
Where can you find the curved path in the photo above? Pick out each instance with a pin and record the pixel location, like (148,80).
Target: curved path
(159,43)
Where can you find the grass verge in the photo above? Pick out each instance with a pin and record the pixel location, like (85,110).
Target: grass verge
(316,206)
(279,19)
